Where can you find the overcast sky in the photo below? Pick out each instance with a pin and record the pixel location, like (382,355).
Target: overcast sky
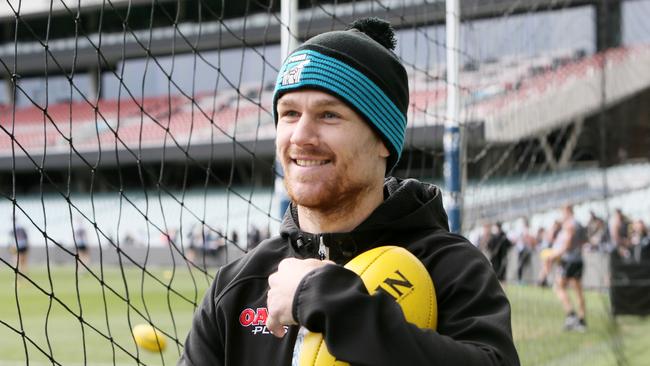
(521,35)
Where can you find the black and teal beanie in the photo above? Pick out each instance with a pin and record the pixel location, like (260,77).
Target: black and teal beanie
(359,67)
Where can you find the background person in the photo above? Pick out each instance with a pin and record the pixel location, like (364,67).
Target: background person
(639,239)
(549,242)
(618,232)
(498,247)
(596,232)
(20,245)
(481,236)
(81,242)
(569,254)
(525,243)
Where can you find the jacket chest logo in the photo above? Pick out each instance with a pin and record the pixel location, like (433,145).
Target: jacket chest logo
(255,320)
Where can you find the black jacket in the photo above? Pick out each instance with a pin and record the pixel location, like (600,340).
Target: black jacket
(473,311)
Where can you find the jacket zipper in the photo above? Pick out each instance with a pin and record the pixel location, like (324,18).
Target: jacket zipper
(323,251)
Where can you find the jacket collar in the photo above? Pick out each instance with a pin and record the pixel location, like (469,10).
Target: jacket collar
(409,205)
(341,247)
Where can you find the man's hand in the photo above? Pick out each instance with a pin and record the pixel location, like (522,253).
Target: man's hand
(282,289)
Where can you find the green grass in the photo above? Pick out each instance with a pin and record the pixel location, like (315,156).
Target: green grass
(105,311)
(537,320)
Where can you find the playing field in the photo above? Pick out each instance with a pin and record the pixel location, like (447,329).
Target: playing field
(106,313)
(537,320)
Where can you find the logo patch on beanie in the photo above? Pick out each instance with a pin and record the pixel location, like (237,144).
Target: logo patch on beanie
(292,74)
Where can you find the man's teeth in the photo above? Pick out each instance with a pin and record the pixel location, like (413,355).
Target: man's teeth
(310,162)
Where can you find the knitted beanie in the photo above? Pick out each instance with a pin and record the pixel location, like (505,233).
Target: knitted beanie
(358,67)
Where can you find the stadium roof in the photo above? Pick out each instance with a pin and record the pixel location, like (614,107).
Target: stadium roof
(36,8)
(253,30)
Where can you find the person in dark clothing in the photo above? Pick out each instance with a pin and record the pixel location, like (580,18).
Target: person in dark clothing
(498,247)
(20,246)
(234,238)
(80,240)
(337,137)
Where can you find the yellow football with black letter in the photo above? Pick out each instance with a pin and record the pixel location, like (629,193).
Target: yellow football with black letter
(396,272)
(149,338)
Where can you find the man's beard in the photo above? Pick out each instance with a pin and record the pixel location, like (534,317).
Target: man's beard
(329,195)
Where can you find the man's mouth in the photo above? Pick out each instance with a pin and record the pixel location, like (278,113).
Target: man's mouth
(310,163)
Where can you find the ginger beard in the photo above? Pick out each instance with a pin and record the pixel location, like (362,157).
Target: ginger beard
(331,158)
(327,188)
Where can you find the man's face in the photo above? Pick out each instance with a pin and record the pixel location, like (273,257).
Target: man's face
(330,156)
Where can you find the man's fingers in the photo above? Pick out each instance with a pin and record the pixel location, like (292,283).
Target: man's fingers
(287,262)
(273,279)
(275,327)
(282,290)
(274,319)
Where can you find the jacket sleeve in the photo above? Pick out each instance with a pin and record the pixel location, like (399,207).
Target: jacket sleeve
(363,329)
(204,344)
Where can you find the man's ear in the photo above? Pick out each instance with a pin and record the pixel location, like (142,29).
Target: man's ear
(383,151)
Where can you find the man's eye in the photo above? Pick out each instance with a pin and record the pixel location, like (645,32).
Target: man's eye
(288,113)
(330,115)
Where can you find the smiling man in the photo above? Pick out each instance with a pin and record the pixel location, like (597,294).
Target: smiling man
(340,106)
(333,162)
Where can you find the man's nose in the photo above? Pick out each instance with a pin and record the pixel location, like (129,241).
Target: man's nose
(305,131)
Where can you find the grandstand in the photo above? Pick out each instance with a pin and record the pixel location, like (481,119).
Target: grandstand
(508,199)
(505,101)
(505,98)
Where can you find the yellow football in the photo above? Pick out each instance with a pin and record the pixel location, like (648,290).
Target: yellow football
(167,274)
(149,338)
(398,273)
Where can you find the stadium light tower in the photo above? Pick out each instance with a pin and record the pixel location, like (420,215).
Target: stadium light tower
(452,137)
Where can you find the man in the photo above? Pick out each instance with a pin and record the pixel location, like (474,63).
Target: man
(80,240)
(20,245)
(498,247)
(525,243)
(340,104)
(569,254)
(548,242)
(639,240)
(480,237)
(618,230)
(596,231)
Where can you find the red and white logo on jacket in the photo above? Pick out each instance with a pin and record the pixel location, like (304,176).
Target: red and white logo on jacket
(255,319)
